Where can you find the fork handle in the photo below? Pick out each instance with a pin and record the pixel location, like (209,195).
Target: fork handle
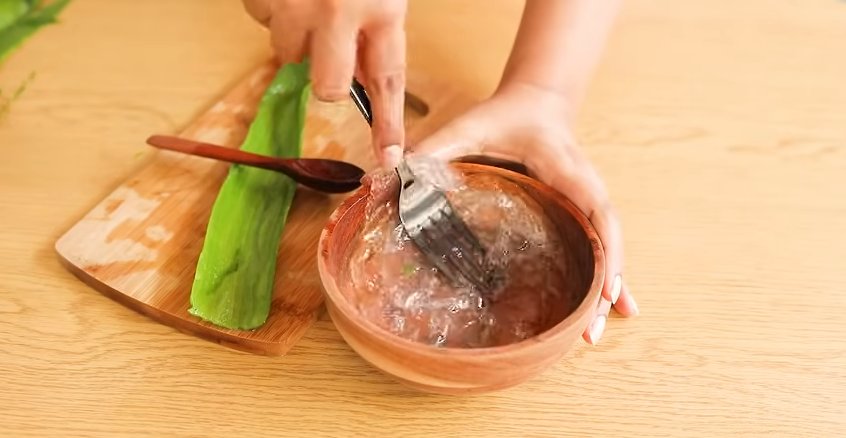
(361,100)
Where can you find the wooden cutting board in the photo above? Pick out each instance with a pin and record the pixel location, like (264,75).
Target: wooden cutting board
(140,244)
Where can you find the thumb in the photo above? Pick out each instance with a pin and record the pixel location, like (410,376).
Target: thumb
(571,175)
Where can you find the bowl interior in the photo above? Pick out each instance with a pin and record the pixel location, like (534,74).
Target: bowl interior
(574,267)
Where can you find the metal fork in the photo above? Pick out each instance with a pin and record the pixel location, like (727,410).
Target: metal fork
(436,229)
(430,220)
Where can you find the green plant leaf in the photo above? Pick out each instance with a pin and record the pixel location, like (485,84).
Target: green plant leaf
(11,11)
(37,16)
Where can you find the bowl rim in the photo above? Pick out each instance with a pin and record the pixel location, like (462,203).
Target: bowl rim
(333,293)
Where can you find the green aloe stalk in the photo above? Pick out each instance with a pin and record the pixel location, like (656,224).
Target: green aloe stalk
(233,285)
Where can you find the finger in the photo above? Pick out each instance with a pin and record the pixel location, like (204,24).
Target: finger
(333,52)
(259,9)
(626,304)
(384,67)
(596,328)
(289,37)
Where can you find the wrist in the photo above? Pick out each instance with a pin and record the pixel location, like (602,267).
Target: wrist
(537,98)
(559,44)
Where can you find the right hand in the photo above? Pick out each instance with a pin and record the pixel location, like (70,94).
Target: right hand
(364,39)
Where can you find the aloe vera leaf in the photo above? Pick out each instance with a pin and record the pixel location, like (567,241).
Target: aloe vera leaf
(27,24)
(233,284)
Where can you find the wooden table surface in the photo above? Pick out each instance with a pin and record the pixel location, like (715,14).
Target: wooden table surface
(719,126)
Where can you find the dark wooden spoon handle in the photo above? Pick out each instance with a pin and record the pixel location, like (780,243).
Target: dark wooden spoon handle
(216,152)
(325,175)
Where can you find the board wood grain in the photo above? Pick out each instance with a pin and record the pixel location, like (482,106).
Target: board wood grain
(141,243)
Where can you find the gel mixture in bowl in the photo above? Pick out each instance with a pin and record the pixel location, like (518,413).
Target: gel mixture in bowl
(401,291)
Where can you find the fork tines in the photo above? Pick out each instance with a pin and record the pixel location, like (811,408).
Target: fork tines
(439,233)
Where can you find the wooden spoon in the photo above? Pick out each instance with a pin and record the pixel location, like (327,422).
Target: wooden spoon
(325,175)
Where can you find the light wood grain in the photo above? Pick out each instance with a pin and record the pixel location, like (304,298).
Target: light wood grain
(140,245)
(719,127)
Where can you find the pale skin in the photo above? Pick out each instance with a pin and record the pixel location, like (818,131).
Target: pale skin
(527,119)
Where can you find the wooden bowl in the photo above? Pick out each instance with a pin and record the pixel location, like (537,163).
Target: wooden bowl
(456,370)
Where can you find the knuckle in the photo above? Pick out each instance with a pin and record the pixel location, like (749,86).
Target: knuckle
(390,81)
(389,14)
(329,92)
(332,8)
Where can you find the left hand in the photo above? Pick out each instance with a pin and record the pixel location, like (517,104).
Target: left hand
(528,124)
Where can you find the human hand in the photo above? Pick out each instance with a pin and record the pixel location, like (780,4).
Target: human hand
(342,39)
(529,125)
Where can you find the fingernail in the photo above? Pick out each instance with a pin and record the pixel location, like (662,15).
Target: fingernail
(597,328)
(391,156)
(634,307)
(616,287)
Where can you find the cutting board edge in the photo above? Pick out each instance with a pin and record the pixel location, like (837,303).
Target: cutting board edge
(207,334)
